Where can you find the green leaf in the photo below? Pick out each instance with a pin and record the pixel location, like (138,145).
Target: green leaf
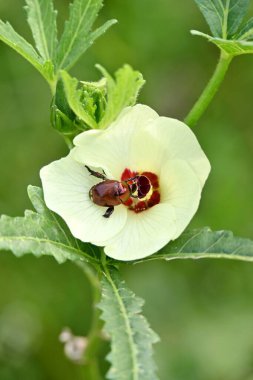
(10,37)
(231,47)
(235,11)
(42,21)
(121,92)
(234,47)
(75,40)
(101,30)
(213,12)
(205,243)
(77,36)
(76,102)
(131,336)
(41,233)
(246,32)
(223,16)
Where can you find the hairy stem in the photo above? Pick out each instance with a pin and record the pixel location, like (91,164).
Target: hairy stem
(208,94)
(91,365)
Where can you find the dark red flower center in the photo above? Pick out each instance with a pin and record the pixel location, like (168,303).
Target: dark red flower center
(144,188)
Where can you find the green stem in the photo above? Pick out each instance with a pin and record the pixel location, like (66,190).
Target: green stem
(91,364)
(52,85)
(68,142)
(212,87)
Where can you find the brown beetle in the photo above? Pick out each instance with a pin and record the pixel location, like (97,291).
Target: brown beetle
(109,193)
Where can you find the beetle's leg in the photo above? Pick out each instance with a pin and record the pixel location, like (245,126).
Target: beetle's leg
(108,212)
(96,174)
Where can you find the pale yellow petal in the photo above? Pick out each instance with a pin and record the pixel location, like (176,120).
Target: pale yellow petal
(109,149)
(165,139)
(143,234)
(66,185)
(181,189)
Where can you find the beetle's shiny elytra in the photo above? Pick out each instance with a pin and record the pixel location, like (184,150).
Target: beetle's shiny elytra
(109,193)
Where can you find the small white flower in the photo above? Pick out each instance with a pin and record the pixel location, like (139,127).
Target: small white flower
(139,142)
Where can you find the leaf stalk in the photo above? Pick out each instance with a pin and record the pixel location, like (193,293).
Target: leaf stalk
(210,90)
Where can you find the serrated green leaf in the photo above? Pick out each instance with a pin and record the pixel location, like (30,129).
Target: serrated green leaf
(121,92)
(131,336)
(223,16)
(42,21)
(101,30)
(231,47)
(41,233)
(75,101)
(205,243)
(77,36)
(10,37)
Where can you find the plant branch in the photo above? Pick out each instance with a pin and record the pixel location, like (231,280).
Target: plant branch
(208,94)
(91,365)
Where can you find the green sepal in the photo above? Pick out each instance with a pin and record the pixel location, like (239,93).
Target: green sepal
(120,92)
(79,106)
(63,119)
(94,94)
(82,99)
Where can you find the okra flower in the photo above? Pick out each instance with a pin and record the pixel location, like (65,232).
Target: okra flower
(159,167)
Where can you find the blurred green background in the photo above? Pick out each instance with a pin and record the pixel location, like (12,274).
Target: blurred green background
(202,310)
